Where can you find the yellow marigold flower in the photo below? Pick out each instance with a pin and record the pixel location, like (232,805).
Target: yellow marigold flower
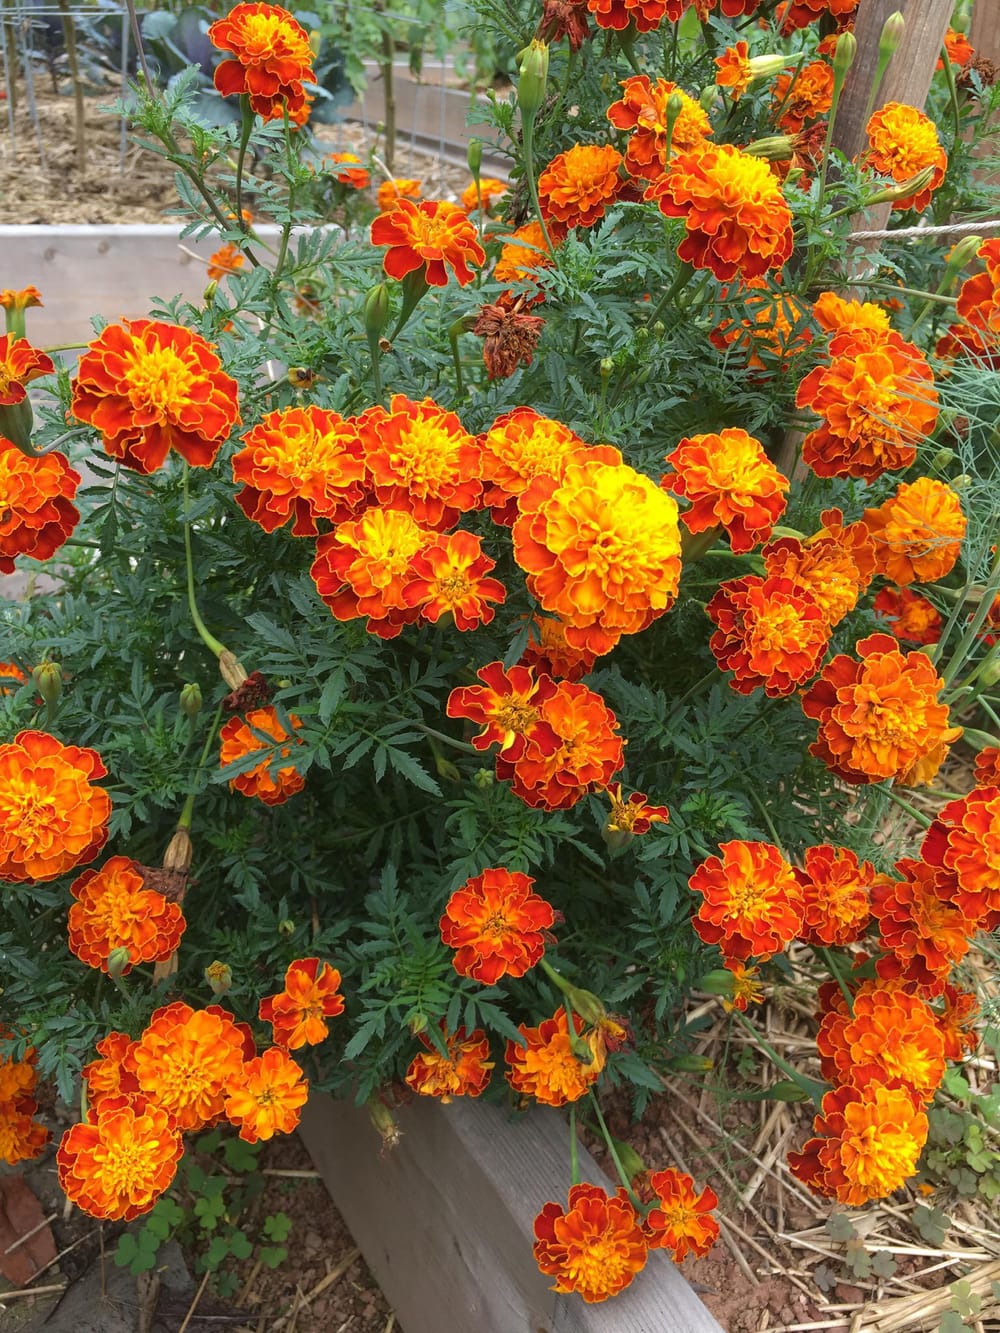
(902,143)
(519,446)
(489,190)
(185,1061)
(267,1096)
(397,188)
(117,1166)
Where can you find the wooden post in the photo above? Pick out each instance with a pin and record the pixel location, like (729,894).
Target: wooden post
(984,33)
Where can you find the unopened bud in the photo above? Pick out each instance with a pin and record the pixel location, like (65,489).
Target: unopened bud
(416,1023)
(844,54)
(904,190)
(219,977)
(762,67)
(301,377)
(446,769)
(718,982)
(586,1004)
(616,838)
(191,699)
(775,148)
(119,962)
(474,157)
(942,459)
(483,777)
(990,676)
(966,249)
(179,852)
(787,1090)
(385,1122)
(534,73)
(708,96)
(892,34)
(376,311)
(48,681)
(690,1064)
(629,1160)
(231,669)
(607,367)
(208,295)
(674,107)
(315,42)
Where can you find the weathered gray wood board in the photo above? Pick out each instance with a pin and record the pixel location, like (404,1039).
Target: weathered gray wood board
(445,1221)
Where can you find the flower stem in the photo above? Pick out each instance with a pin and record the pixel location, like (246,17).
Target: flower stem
(528,144)
(828,958)
(184,818)
(613,1151)
(684,275)
(209,640)
(811,1086)
(246,128)
(923,820)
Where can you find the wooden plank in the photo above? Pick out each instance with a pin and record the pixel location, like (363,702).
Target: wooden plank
(445,1221)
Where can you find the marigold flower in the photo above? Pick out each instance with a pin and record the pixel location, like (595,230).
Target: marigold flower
(496,925)
(489,190)
(12,676)
(464,1073)
(960,50)
(147,387)
(917,532)
(747,989)
(22,1138)
(680,1220)
(114,910)
(643,110)
(52,818)
(345,168)
(965,840)
(889,1039)
(587,755)
(853,325)
(362,567)
(548,652)
(595,1246)
(430,236)
(834,566)
(508,706)
(801,13)
(601,550)
(422,460)
(13,299)
(772,329)
(18,1078)
(509,335)
(920,924)
(909,617)
(564,18)
(902,142)
(239,737)
(645,14)
(577,186)
(20,363)
(36,509)
(729,480)
(634,815)
(547,1067)
(267,1096)
(752,903)
(733,70)
(116,1166)
(301,461)
(448,577)
(979,307)
(272,61)
(986,767)
(113,1074)
(519,446)
(523,253)
(769,634)
(391,191)
(298,1013)
(867,1144)
(956,1022)
(811,95)
(876,406)
(836,894)
(227,259)
(185,1060)
(736,217)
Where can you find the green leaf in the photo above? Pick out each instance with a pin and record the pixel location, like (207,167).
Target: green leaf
(277,1226)
(272,1256)
(838,1226)
(239,1245)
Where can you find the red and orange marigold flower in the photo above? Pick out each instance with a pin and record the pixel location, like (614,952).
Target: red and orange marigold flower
(601,550)
(20,363)
(803,95)
(496,925)
(890,1038)
(464,1072)
(770,634)
(363,566)
(879,715)
(909,617)
(578,186)
(737,220)
(547,651)
(733,70)
(681,1219)
(519,446)
(917,532)
(643,110)
(508,707)
(149,387)
(37,513)
(924,929)
(239,737)
(399,187)
(112,1075)
(271,60)
(304,462)
(965,840)
(752,903)
(267,1096)
(523,253)
(430,237)
(185,1060)
(347,170)
(116,1165)
(772,327)
(632,815)
(227,259)
(647,15)
(298,1013)
(834,566)
(986,767)
(595,1246)
(52,817)
(19,299)
(488,191)
(903,142)
(22,1138)
(729,480)
(449,577)
(547,1067)
(837,892)
(796,14)
(115,910)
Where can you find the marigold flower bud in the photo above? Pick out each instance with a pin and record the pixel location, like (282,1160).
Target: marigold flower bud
(219,976)
(720,981)
(905,189)
(484,777)
(775,148)
(941,459)
(179,852)
(385,1122)
(762,67)
(301,377)
(231,669)
(191,699)
(844,54)
(48,681)
(286,927)
(787,1090)
(991,674)
(118,960)
(534,72)
(707,97)
(586,1004)
(690,1064)
(416,1023)
(892,34)
(376,311)
(607,367)
(475,157)
(962,252)
(616,838)
(208,295)
(630,1161)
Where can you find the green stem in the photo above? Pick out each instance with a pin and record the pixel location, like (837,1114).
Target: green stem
(184,819)
(613,1151)
(246,129)
(557,980)
(684,275)
(923,820)
(812,1086)
(209,640)
(457,360)
(528,145)
(976,623)
(835,972)
(768,822)
(446,739)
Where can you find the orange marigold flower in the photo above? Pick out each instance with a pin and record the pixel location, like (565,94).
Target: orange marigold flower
(965,840)
(239,737)
(185,1060)
(752,903)
(298,1013)
(18,1078)
(508,706)
(147,387)
(811,95)
(115,910)
(587,755)
(769,634)
(986,767)
(879,715)
(889,1039)
(909,617)
(853,325)
(548,1067)
(834,566)
(519,446)
(301,461)
(801,13)
(733,70)
(917,532)
(523,253)
(489,190)
(391,191)
(116,1166)
(464,1072)
(634,815)
(362,567)
(52,818)
(113,1075)
(432,237)
(836,893)
(577,186)
(867,1144)
(421,459)
(37,513)
(345,168)
(956,1023)
(960,50)
(773,326)
(595,1246)
(601,549)
(729,480)
(20,363)
(903,142)
(548,652)
(747,989)
(22,1138)
(11,676)
(496,925)
(448,577)
(920,924)
(680,1219)
(509,335)
(643,110)
(267,1096)
(13,299)
(736,217)
(645,14)
(225,260)
(272,60)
